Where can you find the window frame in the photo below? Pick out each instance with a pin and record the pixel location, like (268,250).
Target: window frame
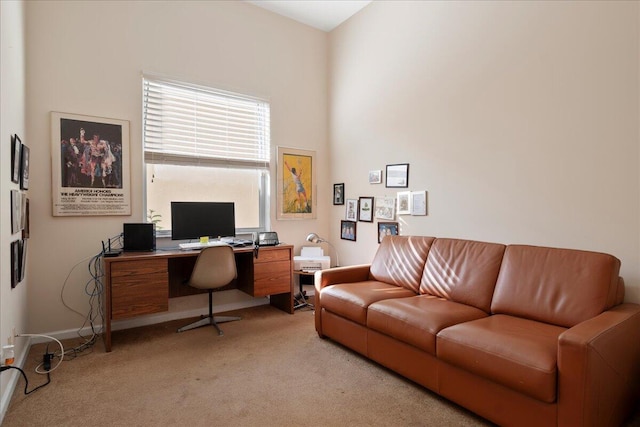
(262,166)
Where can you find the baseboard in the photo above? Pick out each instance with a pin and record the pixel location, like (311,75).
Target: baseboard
(152,319)
(13,375)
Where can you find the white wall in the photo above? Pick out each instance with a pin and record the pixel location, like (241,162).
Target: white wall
(520,119)
(88,57)
(13,302)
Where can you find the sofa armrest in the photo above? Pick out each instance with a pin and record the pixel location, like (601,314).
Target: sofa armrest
(599,368)
(350,274)
(331,276)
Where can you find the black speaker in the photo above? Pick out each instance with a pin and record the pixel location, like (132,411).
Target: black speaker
(139,237)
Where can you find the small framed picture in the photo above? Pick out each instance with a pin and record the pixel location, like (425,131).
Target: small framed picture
(15,158)
(351,213)
(24,168)
(23,259)
(15,263)
(375,177)
(386,208)
(398,175)
(16,211)
(348,230)
(418,203)
(365,213)
(404,202)
(387,229)
(338,194)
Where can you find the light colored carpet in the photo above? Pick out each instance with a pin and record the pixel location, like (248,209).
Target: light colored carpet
(269,369)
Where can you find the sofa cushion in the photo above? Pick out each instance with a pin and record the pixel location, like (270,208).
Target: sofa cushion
(351,300)
(417,320)
(559,286)
(464,271)
(400,260)
(518,353)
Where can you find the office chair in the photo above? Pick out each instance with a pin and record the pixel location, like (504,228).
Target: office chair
(215,267)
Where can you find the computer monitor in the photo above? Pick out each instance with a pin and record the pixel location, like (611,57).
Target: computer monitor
(192,220)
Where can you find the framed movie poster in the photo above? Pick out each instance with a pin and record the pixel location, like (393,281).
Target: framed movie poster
(296,184)
(90,165)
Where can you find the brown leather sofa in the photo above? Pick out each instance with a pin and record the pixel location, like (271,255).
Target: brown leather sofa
(521,335)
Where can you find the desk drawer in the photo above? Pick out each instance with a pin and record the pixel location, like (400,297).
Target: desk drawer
(139,288)
(272,255)
(271,278)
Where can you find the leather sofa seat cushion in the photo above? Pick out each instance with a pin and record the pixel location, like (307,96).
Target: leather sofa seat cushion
(417,320)
(518,353)
(400,260)
(351,300)
(464,271)
(559,286)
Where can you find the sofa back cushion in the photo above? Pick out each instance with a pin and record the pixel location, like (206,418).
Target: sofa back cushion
(463,271)
(400,260)
(559,286)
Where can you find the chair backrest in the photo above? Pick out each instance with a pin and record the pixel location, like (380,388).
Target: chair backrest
(215,267)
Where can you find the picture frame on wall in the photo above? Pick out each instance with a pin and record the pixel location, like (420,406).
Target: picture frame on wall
(15,263)
(419,203)
(365,211)
(24,167)
(404,202)
(386,208)
(16,150)
(296,182)
(398,175)
(348,230)
(338,194)
(84,184)
(23,260)
(375,177)
(387,229)
(16,211)
(351,211)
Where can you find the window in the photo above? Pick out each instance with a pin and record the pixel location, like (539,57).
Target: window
(203,144)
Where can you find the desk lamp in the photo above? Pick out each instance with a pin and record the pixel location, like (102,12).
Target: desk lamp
(314,238)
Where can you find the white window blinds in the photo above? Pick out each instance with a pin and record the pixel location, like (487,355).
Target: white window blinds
(189,124)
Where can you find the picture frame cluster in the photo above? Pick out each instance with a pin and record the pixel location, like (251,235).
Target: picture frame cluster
(385,209)
(19,209)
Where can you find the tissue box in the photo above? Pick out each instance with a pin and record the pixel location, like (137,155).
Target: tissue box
(305,263)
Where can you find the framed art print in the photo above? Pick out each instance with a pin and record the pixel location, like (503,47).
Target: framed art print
(387,229)
(351,212)
(338,194)
(365,213)
(386,208)
(296,184)
(348,230)
(404,202)
(398,176)
(24,168)
(375,177)
(90,165)
(15,263)
(418,203)
(16,151)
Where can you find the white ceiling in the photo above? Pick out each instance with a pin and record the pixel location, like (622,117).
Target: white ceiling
(322,14)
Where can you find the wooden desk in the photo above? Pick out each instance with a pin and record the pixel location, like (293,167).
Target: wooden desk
(140,283)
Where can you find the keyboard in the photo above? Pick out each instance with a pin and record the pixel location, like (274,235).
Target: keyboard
(197,245)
